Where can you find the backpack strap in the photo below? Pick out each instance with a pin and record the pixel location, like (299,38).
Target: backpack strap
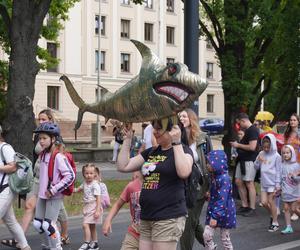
(51,165)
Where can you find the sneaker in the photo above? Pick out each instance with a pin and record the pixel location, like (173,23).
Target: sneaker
(65,240)
(287,230)
(85,246)
(294,217)
(250,213)
(242,210)
(273,228)
(271,222)
(94,245)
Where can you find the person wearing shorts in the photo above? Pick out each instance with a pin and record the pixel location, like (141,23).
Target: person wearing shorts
(162,199)
(245,171)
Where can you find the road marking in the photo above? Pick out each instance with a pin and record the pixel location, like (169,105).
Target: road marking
(284,246)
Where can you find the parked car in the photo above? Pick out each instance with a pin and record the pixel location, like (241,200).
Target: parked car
(212,125)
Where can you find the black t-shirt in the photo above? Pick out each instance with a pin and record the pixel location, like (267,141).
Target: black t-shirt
(251,134)
(162,196)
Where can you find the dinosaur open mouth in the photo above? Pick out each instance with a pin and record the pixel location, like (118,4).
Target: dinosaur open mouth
(176,91)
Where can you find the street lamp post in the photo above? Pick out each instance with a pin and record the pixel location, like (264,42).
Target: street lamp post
(98,130)
(191,39)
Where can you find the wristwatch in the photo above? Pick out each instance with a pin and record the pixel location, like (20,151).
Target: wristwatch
(176,143)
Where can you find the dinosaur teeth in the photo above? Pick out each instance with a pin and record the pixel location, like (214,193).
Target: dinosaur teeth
(178,93)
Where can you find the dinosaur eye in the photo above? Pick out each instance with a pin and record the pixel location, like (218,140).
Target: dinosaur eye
(172,69)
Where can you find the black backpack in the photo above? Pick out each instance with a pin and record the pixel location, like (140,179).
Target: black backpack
(192,186)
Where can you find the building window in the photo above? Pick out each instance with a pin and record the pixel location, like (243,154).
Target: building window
(170,60)
(53,97)
(208,44)
(127,2)
(102,25)
(209,70)
(170,35)
(52,50)
(149,32)
(210,104)
(170,5)
(102,60)
(125,28)
(148,4)
(125,62)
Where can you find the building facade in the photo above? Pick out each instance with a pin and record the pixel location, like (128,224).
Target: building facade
(157,23)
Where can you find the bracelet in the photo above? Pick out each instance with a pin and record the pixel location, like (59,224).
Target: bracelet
(176,143)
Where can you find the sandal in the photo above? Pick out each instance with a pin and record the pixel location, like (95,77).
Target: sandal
(65,240)
(10,243)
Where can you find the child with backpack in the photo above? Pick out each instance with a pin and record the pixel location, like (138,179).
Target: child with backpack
(221,211)
(105,199)
(56,176)
(92,209)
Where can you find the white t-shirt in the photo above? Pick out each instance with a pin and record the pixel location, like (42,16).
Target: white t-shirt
(148,136)
(9,156)
(90,191)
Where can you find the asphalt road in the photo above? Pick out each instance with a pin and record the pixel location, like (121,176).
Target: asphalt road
(251,234)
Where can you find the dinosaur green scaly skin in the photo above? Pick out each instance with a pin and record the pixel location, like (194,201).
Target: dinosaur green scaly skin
(157,92)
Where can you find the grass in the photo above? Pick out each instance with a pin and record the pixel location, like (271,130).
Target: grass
(73,203)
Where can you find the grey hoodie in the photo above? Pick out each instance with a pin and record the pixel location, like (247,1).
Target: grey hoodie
(270,168)
(290,186)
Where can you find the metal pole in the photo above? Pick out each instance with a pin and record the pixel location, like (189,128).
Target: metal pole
(191,39)
(262,100)
(98,134)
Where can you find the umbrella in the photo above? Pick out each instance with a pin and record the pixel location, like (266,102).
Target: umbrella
(264,116)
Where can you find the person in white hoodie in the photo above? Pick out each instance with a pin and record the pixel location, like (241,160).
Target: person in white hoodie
(269,162)
(290,184)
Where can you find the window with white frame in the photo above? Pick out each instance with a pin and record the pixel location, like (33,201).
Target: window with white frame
(52,50)
(125,28)
(148,32)
(102,25)
(170,35)
(209,70)
(170,60)
(210,104)
(53,97)
(170,5)
(125,62)
(127,2)
(148,4)
(102,60)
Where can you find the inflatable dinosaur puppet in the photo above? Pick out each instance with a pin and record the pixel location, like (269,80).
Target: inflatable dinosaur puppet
(157,92)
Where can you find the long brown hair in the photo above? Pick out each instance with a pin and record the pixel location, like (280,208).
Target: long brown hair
(194,126)
(49,114)
(288,130)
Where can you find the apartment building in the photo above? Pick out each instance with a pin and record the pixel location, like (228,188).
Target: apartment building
(157,23)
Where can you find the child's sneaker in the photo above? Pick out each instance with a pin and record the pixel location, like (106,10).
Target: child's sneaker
(94,245)
(273,228)
(287,230)
(85,246)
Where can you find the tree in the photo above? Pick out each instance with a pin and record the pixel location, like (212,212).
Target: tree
(247,38)
(21,26)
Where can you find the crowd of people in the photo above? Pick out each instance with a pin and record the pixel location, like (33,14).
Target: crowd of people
(160,217)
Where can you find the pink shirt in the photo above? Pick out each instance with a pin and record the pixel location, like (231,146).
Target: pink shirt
(131,194)
(63,175)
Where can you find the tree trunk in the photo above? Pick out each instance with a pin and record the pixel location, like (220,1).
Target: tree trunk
(25,25)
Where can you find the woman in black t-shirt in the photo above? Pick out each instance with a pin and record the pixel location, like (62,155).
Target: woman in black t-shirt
(162,199)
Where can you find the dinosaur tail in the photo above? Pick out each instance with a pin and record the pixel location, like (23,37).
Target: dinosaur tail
(76,99)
